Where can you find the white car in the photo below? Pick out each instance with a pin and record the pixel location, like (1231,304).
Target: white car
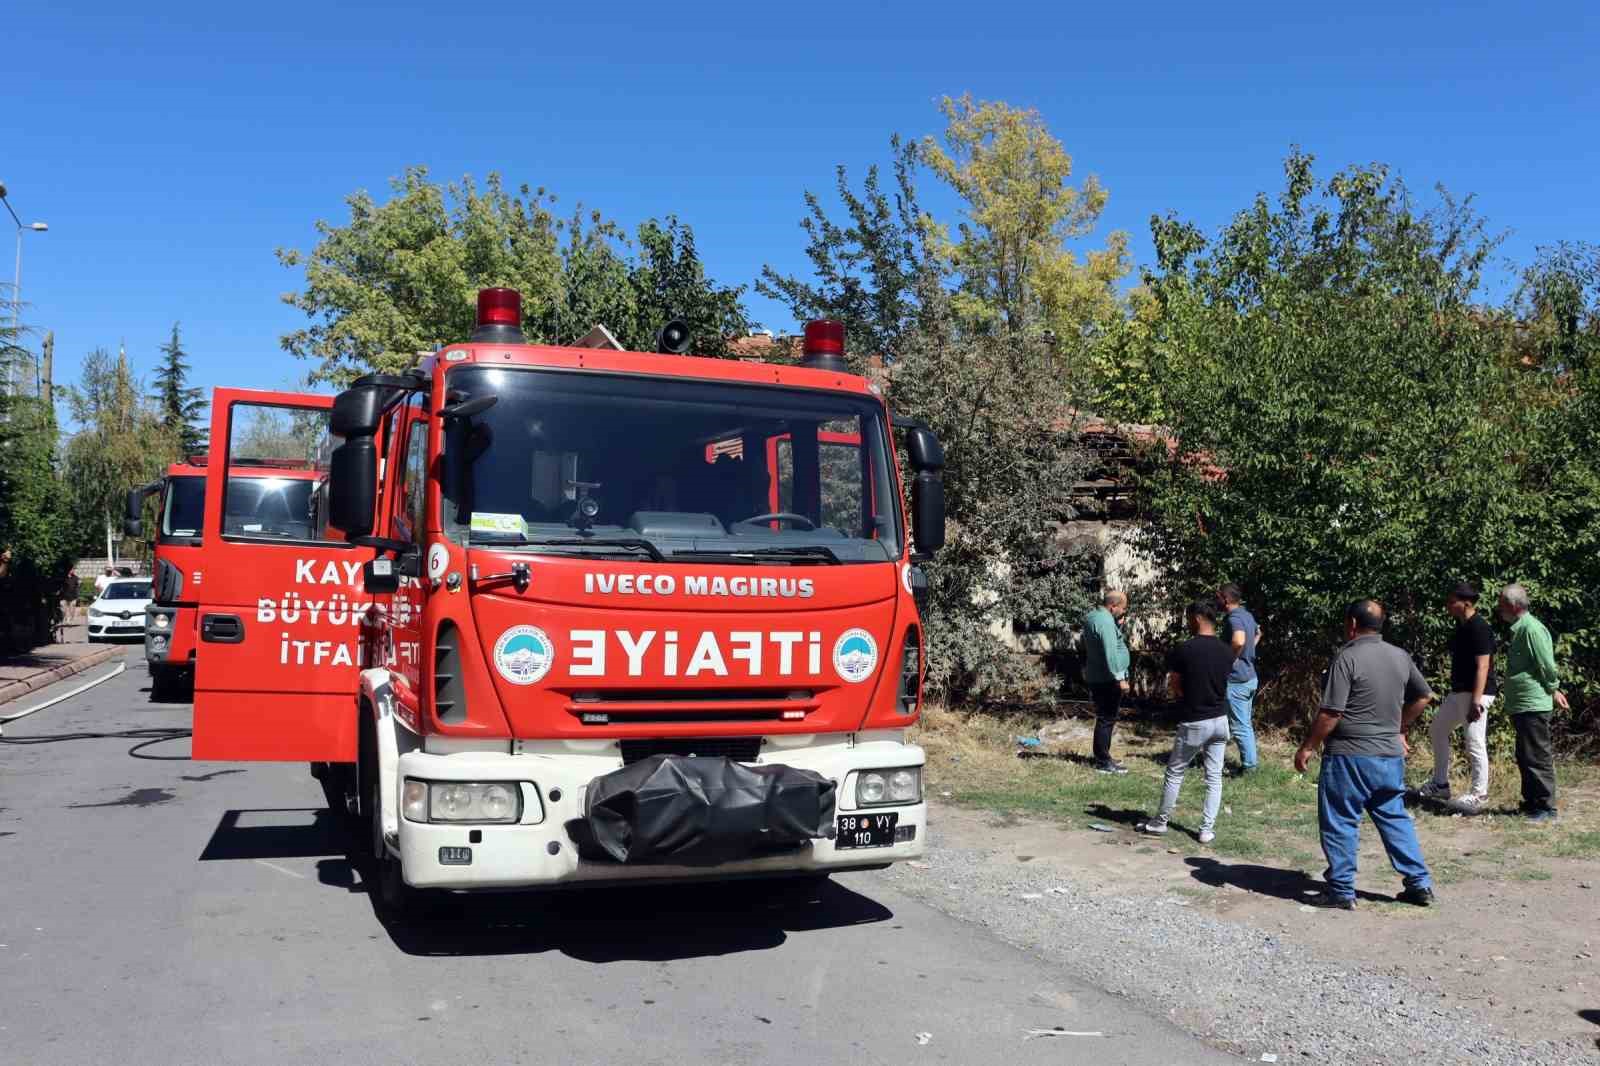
(118,612)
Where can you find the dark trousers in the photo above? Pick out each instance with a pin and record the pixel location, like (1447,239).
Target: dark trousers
(1107,701)
(1536,760)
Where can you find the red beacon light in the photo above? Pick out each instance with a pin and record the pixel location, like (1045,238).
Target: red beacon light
(499,317)
(823,345)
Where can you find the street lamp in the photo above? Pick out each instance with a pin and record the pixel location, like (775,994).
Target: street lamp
(16,277)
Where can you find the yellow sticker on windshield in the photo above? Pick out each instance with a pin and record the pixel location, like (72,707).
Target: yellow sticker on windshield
(499,523)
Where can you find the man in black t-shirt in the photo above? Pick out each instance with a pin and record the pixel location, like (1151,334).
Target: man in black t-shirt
(1197,676)
(1472,691)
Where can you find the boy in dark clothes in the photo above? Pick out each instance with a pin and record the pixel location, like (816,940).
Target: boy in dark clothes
(1197,676)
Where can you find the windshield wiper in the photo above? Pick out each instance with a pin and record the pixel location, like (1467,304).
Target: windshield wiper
(514,540)
(816,553)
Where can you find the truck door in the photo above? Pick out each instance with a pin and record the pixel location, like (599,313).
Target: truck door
(280,599)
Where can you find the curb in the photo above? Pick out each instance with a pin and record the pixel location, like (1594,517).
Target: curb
(18,689)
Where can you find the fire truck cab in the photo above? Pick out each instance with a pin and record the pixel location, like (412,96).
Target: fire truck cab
(577,615)
(264,494)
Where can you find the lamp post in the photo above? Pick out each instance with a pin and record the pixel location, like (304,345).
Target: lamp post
(16,277)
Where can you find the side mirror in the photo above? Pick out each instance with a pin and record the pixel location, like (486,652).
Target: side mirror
(356,412)
(353,486)
(133,510)
(923,449)
(927,512)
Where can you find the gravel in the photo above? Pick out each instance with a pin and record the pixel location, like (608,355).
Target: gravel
(1242,989)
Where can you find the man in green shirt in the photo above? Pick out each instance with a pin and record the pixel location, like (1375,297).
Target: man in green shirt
(1105,668)
(1531,691)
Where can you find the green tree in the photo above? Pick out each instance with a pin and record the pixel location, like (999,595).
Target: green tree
(402,276)
(1555,348)
(122,443)
(1011,462)
(865,273)
(1020,211)
(1345,420)
(180,405)
(35,532)
(975,370)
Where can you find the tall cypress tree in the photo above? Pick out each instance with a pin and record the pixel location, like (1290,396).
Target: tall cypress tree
(178,404)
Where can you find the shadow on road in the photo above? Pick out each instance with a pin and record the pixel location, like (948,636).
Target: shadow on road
(651,923)
(1292,885)
(1125,815)
(276,833)
(648,923)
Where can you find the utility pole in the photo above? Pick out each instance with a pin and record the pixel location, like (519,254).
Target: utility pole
(16,277)
(47,363)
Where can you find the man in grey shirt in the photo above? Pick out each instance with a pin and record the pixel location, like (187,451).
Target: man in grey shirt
(1373,694)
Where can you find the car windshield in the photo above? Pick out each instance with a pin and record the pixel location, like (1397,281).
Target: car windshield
(618,465)
(183,508)
(269,507)
(127,590)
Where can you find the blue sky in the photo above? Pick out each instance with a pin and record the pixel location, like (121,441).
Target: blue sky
(172,151)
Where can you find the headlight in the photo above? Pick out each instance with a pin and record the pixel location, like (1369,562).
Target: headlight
(462,801)
(95,612)
(161,621)
(876,788)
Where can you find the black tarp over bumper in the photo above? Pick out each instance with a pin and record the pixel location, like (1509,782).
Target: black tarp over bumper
(701,809)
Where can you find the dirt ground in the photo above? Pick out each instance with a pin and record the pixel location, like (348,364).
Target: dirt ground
(1520,952)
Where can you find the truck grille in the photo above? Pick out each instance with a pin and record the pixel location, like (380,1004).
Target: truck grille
(739,749)
(633,706)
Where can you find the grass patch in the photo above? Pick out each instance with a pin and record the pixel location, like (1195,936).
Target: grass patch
(1268,817)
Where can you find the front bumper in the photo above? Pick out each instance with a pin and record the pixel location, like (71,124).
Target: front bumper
(111,626)
(539,851)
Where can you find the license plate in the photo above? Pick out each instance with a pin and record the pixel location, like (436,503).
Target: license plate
(865,830)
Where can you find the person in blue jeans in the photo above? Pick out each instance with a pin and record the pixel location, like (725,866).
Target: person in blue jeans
(1373,694)
(1244,635)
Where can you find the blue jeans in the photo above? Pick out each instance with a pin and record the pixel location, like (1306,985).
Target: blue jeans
(1349,785)
(1241,698)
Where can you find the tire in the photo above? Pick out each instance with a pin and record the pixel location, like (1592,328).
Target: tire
(166,684)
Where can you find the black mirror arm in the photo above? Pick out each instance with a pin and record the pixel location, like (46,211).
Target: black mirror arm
(467,408)
(386,544)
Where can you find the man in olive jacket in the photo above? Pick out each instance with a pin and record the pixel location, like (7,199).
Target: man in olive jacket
(1531,691)
(1105,668)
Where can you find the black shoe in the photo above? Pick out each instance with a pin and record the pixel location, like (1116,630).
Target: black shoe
(1416,896)
(1110,766)
(1329,902)
(1545,814)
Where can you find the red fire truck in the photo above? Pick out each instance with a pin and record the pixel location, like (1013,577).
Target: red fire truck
(268,496)
(574,615)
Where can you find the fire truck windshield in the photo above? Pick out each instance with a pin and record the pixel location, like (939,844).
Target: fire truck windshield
(183,509)
(269,507)
(616,465)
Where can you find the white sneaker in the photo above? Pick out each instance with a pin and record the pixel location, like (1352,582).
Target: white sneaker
(1471,803)
(1207,836)
(1434,791)
(1153,828)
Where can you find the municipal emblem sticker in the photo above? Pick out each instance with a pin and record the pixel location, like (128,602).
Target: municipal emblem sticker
(524,654)
(855,654)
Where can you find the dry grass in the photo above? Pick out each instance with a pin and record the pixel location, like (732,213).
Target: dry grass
(1270,814)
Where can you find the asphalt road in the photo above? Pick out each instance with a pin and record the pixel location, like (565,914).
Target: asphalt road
(161,911)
